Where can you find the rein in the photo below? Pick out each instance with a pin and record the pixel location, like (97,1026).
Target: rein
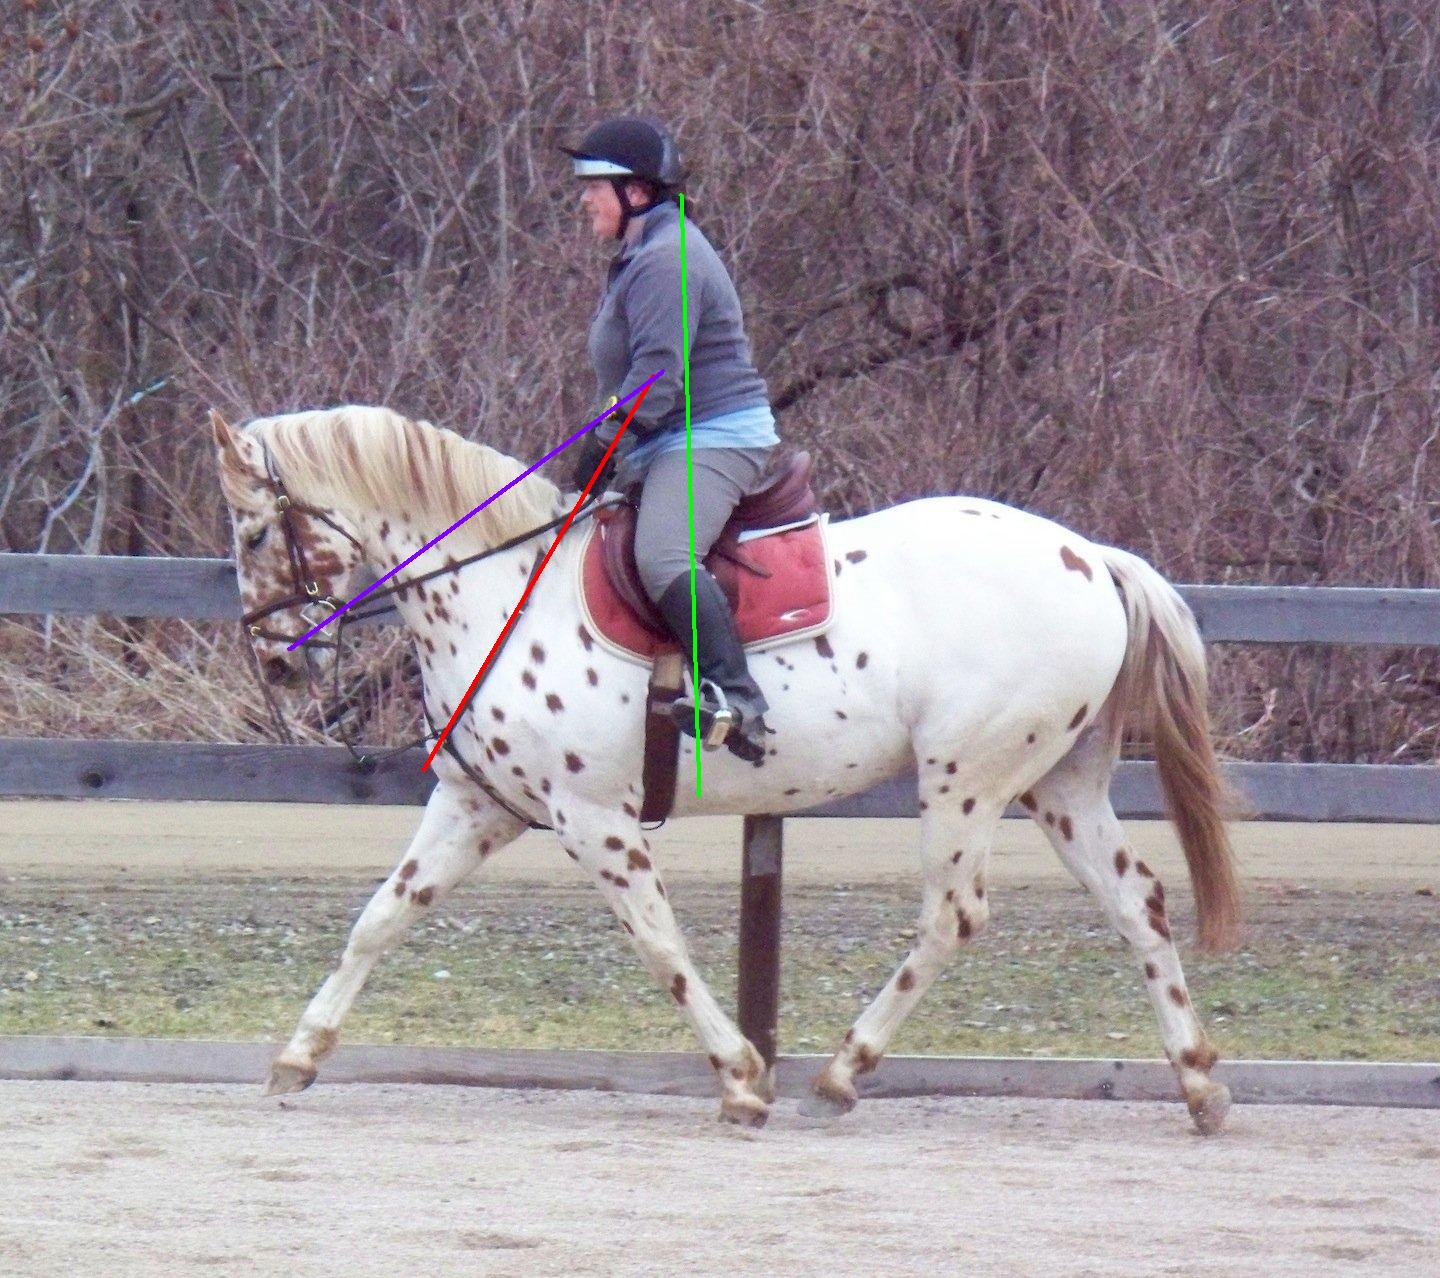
(307,595)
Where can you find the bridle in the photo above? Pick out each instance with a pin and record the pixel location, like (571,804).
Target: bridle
(307,596)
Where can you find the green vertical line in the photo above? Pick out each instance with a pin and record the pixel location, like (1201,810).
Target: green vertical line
(690,479)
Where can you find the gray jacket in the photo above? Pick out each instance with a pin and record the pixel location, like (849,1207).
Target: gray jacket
(636,331)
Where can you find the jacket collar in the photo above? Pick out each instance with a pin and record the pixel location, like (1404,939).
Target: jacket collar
(661,215)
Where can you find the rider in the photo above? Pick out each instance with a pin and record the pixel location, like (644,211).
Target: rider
(631,174)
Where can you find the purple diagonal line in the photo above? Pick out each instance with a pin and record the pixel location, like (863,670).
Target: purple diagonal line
(559,447)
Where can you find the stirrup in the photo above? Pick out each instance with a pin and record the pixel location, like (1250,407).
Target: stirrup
(717,716)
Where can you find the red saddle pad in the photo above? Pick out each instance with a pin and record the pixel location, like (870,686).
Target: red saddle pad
(794,602)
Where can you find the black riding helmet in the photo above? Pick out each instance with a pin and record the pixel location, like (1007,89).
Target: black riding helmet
(629,146)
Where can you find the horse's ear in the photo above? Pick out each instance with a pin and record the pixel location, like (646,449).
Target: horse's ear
(231,444)
(224,436)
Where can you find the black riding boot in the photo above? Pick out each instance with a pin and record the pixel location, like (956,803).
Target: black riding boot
(721,660)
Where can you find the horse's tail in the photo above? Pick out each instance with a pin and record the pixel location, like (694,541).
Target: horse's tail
(1161,691)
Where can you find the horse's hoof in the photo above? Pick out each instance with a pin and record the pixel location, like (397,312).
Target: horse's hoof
(286,1077)
(744,1111)
(823,1105)
(1209,1108)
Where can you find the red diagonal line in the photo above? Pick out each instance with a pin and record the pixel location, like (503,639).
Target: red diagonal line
(515,616)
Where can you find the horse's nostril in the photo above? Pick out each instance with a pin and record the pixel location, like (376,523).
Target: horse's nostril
(277,669)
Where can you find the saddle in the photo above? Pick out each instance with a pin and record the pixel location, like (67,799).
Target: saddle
(769,560)
(772,564)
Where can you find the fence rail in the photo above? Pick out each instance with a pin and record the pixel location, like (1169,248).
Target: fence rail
(200,589)
(172,770)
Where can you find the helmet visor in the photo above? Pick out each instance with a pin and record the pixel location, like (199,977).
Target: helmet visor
(586,167)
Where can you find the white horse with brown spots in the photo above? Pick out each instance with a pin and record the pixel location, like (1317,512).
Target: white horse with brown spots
(999,654)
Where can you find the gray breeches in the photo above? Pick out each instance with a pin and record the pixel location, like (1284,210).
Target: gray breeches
(662,534)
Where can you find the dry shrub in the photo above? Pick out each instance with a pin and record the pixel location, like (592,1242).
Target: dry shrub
(1167,272)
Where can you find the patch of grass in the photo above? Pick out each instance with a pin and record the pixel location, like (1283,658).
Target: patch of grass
(1344,977)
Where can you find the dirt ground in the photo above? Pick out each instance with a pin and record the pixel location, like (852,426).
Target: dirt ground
(128,838)
(134,1180)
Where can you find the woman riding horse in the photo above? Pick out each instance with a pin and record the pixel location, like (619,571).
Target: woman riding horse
(632,175)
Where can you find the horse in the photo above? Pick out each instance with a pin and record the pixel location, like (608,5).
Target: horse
(999,655)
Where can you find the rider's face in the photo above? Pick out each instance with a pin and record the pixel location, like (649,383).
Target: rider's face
(597,198)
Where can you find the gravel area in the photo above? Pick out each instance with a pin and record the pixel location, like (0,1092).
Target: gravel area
(134,1180)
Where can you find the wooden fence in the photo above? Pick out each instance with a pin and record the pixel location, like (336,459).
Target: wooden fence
(200,589)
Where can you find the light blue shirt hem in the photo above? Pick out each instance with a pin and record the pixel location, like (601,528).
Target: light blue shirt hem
(752,427)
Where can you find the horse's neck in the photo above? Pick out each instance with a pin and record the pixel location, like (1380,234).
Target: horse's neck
(489,588)
(392,541)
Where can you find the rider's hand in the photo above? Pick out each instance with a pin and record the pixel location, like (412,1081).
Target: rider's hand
(590,452)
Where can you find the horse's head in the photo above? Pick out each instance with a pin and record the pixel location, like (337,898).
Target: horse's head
(296,562)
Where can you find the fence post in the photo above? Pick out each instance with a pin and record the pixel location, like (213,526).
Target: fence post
(758,997)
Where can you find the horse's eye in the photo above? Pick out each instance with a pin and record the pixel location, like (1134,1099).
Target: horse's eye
(253,541)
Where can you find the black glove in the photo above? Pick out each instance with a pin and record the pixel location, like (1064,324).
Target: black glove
(590,453)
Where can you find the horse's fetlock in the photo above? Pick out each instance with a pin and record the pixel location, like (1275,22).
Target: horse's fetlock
(322,1042)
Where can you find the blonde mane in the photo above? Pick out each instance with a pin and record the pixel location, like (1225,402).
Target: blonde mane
(368,458)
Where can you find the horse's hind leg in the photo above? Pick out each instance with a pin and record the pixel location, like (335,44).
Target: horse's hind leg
(956,834)
(1071,804)
(456,834)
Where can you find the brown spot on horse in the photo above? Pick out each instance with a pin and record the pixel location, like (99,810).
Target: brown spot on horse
(1075,563)
(1027,800)
(855,556)
(906,980)
(1066,828)
(822,646)
(1202,1058)
(573,761)
(677,988)
(638,860)
(1079,717)
(424,896)
(1177,996)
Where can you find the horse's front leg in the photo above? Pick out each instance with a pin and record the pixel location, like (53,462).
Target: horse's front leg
(457,833)
(611,847)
